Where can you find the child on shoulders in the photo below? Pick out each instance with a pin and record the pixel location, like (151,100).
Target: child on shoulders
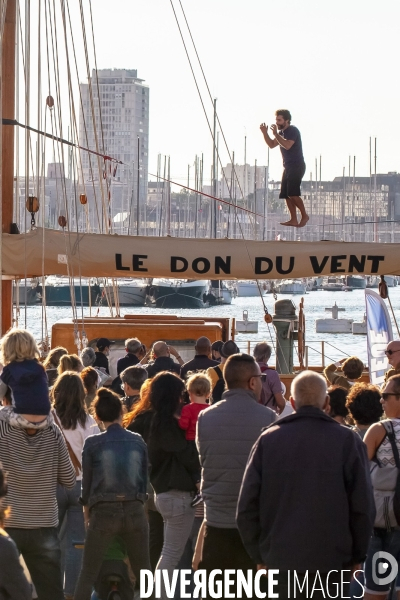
(27,379)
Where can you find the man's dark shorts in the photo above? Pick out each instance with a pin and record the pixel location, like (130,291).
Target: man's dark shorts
(291,180)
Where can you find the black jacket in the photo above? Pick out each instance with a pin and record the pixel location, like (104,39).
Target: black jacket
(13,583)
(141,424)
(200,362)
(306,500)
(174,461)
(162,363)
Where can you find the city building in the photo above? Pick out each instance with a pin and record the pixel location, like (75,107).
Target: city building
(114,120)
(358,198)
(238,181)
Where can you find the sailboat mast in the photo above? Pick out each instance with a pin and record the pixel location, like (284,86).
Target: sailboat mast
(375,203)
(196,184)
(255,198)
(320,196)
(187,219)
(137,189)
(214,176)
(7,142)
(169,198)
(370,178)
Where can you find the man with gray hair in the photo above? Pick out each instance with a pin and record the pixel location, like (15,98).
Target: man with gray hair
(132,380)
(271,395)
(306,502)
(135,351)
(88,358)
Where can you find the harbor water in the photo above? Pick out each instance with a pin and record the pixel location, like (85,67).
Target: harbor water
(337,346)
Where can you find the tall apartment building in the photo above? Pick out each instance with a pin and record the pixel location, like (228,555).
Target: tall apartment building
(114,119)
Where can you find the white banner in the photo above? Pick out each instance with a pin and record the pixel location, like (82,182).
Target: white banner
(50,252)
(379,334)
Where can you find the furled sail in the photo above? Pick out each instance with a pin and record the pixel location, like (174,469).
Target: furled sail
(50,252)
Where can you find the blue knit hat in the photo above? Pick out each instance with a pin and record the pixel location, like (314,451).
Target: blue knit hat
(29,385)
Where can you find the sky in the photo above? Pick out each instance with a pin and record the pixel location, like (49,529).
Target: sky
(334,65)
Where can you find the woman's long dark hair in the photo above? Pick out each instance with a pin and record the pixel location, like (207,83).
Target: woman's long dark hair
(166,390)
(68,396)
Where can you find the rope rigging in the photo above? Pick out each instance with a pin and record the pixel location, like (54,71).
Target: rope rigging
(54,43)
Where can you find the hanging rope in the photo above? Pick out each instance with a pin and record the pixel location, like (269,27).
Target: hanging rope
(212,135)
(61,140)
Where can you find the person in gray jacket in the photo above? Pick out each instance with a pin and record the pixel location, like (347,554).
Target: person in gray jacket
(306,503)
(226,433)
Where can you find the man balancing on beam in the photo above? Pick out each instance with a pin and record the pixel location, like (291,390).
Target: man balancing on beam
(288,138)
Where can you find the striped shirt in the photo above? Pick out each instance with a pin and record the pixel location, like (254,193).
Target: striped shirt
(35,464)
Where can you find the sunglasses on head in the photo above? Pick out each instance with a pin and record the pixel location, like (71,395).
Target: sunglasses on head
(390,352)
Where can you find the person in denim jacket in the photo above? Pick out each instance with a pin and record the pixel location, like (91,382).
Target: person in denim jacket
(115,467)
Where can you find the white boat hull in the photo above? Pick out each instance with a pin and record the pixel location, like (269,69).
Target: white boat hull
(333,325)
(359,328)
(249,289)
(129,293)
(391,280)
(292,287)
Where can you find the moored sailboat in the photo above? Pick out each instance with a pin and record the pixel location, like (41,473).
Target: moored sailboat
(176,293)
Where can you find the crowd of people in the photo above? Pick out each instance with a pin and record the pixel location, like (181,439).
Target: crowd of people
(208,464)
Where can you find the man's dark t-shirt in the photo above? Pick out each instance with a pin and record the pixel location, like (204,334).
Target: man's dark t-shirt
(200,362)
(162,363)
(130,360)
(101,361)
(294,156)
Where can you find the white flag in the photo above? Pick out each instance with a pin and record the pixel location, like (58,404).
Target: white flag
(379,334)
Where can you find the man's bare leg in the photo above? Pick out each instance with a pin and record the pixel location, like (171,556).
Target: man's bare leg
(298,203)
(293,216)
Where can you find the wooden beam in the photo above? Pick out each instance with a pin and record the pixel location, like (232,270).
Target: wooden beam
(7,167)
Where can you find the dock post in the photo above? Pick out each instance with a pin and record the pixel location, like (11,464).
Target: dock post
(285,322)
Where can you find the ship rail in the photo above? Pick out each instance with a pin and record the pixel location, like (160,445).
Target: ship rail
(311,350)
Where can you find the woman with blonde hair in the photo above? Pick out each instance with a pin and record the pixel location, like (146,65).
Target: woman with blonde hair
(76,425)
(70,362)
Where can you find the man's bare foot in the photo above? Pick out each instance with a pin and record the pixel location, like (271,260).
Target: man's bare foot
(304,221)
(291,223)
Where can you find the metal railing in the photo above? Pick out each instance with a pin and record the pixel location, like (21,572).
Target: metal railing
(247,346)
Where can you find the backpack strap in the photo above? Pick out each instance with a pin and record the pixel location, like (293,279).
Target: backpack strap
(388,425)
(218,372)
(74,459)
